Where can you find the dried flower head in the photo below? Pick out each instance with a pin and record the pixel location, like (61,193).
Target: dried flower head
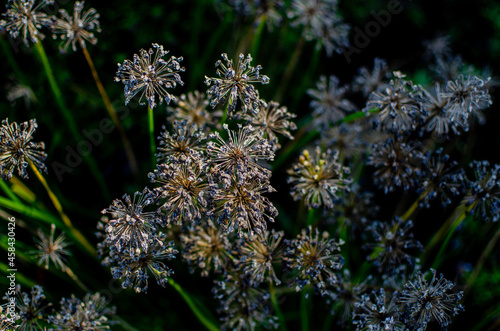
(344,296)
(131,230)
(136,269)
(375,80)
(17,149)
(441,178)
(333,35)
(183,192)
(312,14)
(378,311)
(206,247)
(50,249)
(318,179)
(427,301)
(328,103)
(235,83)
(25,18)
(241,153)
(192,108)
(483,192)
(272,120)
(355,209)
(29,307)
(399,111)
(437,48)
(245,306)
(394,245)
(77,28)
(8,320)
(89,314)
(398,164)
(439,118)
(311,259)
(260,254)
(468,96)
(150,75)
(240,204)
(350,139)
(187,142)
(23,92)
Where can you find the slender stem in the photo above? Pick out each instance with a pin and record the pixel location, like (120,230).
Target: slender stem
(481,261)
(124,324)
(290,69)
(457,213)
(55,201)
(151,126)
(8,191)
(304,314)
(70,121)
(202,318)
(257,35)
(414,206)
(29,211)
(277,309)
(72,275)
(112,113)
(450,231)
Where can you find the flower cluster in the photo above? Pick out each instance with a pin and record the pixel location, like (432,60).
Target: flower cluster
(17,150)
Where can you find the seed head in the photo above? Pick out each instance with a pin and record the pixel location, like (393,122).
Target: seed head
(29,308)
(17,149)
(183,192)
(318,179)
(240,205)
(260,254)
(328,103)
(426,301)
(131,230)
(206,247)
(50,249)
(25,18)
(150,75)
(89,314)
(272,120)
(235,83)
(77,28)
(311,259)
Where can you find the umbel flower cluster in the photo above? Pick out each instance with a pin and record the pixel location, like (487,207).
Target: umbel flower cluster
(214,192)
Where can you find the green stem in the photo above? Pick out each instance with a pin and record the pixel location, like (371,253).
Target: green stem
(151,126)
(12,62)
(461,217)
(8,191)
(70,121)
(55,201)
(258,34)
(304,313)
(112,113)
(290,69)
(276,306)
(30,211)
(458,214)
(203,319)
(414,206)
(481,261)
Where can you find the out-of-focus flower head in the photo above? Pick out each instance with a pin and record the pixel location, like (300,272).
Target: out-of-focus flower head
(77,28)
